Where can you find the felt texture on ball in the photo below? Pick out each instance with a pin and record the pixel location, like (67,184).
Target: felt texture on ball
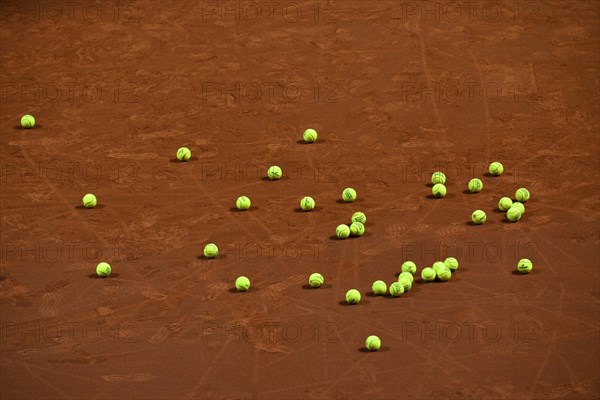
(352,296)
(242,284)
(379,288)
(183,154)
(274,173)
(307,203)
(373,343)
(89,201)
(103,269)
(438,190)
(211,250)
(409,266)
(478,217)
(243,203)
(349,195)
(438,177)
(316,280)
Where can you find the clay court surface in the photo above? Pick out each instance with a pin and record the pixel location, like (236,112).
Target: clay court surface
(396,90)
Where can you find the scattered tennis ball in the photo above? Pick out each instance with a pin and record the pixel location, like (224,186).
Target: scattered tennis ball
(438,190)
(27,121)
(243,203)
(451,263)
(405,282)
(396,289)
(504,204)
(359,217)
(478,217)
(309,135)
(475,185)
(89,200)
(183,154)
(352,296)
(522,195)
(349,195)
(407,275)
(373,343)
(524,266)
(316,280)
(379,288)
(342,231)
(444,274)
(357,229)
(409,266)
(496,168)
(438,267)
(307,203)
(103,270)
(438,177)
(211,250)
(428,274)
(274,172)
(513,214)
(520,206)
(242,283)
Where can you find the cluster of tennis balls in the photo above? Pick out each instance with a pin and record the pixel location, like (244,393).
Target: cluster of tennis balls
(357,224)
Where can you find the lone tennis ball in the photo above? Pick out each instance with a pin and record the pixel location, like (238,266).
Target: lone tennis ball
(309,135)
(405,282)
(496,168)
(243,203)
(475,185)
(211,250)
(396,289)
(316,280)
(438,190)
(242,283)
(274,173)
(357,229)
(428,274)
(478,217)
(103,270)
(373,343)
(524,266)
(27,121)
(520,206)
(342,231)
(379,288)
(183,154)
(307,203)
(513,214)
(522,195)
(409,266)
(504,204)
(349,195)
(451,263)
(444,274)
(89,200)
(438,177)
(359,217)
(352,296)
(406,275)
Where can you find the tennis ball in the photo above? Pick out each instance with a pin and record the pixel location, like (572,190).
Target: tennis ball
(211,250)
(451,263)
(379,288)
(243,203)
(342,231)
(438,190)
(438,266)
(513,214)
(307,203)
(373,343)
(316,280)
(309,135)
(183,154)
(505,203)
(396,289)
(357,229)
(524,266)
(444,274)
(496,168)
(359,217)
(103,269)
(478,217)
(407,275)
(352,296)
(405,282)
(475,185)
(89,201)
(520,206)
(522,195)
(428,274)
(438,177)
(242,283)
(349,195)
(27,121)
(409,266)
(274,172)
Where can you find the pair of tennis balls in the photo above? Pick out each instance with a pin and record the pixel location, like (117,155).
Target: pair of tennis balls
(356,228)
(404,284)
(442,270)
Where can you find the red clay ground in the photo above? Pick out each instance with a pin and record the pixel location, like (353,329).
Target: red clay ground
(396,90)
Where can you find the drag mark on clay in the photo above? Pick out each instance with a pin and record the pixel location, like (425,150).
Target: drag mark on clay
(141,377)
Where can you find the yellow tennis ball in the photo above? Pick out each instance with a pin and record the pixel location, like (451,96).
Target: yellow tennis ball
(444,274)
(496,168)
(183,154)
(438,266)
(513,214)
(357,229)
(243,203)
(211,250)
(352,296)
(274,173)
(349,195)
(379,288)
(409,266)
(342,231)
(307,203)
(309,135)
(438,190)
(407,275)
(316,280)
(520,206)
(396,289)
(359,217)
(451,263)
(504,204)
(475,185)
(522,195)
(27,121)
(242,283)
(428,274)
(103,269)
(89,200)
(478,217)
(524,266)
(405,282)
(438,177)
(373,343)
